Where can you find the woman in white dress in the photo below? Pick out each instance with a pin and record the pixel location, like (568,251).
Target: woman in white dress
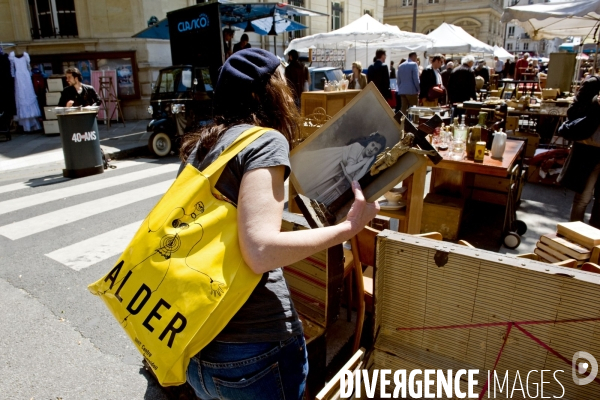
(329,172)
(28,109)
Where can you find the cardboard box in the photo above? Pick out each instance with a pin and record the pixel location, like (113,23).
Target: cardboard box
(442,214)
(512,123)
(533,141)
(50,113)
(444,307)
(55,84)
(51,127)
(550,93)
(52,99)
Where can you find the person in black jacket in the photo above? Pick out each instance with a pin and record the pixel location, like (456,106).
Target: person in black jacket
(77,94)
(483,71)
(461,85)
(244,43)
(379,73)
(431,77)
(582,168)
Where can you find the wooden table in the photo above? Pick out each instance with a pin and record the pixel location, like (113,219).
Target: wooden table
(451,176)
(332,102)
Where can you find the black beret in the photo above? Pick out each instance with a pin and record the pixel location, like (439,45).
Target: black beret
(245,72)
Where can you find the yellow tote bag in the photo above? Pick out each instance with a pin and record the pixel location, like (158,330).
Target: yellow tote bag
(182,277)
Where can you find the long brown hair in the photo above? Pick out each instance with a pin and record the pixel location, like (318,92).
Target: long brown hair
(272,108)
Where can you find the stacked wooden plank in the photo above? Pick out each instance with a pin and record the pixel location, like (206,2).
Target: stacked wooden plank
(572,241)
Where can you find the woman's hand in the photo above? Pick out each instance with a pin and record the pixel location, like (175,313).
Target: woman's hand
(361,212)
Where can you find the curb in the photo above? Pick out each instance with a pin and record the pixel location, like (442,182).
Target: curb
(128,153)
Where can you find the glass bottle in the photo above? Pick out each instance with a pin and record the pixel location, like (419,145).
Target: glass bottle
(445,138)
(460,132)
(475,135)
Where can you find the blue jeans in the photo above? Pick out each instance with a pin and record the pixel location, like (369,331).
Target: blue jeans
(265,370)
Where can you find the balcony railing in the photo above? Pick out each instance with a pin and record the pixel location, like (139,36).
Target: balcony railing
(52,33)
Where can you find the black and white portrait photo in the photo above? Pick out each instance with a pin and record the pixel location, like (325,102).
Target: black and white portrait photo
(345,148)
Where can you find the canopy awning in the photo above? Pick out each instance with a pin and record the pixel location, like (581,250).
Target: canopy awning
(239,13)
(556,20)
(362,32)
(452,39)
(502,54)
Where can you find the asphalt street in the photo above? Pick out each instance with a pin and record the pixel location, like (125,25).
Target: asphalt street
(57,236)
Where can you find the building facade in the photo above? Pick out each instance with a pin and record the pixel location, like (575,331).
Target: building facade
(96,35)
(518,41)
(92,35)
(480,18)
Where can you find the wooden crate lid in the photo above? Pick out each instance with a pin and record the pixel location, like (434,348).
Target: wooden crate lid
(467,303)
(316,281)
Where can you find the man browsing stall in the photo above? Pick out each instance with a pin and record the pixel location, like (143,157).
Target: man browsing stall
(77,94)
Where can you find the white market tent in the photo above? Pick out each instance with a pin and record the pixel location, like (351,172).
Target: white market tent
(502,54)
(361,38)
(451,39)
(556,20)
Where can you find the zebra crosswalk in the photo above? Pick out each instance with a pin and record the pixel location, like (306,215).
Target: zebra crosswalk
(85,202)
(83,222)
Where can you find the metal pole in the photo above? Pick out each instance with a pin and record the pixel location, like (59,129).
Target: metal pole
(414,25)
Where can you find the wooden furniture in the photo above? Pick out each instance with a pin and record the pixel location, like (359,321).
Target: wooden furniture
(442,214)
(410,216)
(315,284)
(361,263)
(332,102)
(454,307)
(457,178)
(449,175)
(332,390)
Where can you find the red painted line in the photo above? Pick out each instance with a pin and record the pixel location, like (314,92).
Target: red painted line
(316,262)
(311,300)
(509,326)
(490,324)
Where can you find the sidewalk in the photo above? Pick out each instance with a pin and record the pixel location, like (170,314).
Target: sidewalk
(45,357)
(118,142)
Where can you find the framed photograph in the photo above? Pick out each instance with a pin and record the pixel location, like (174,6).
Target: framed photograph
(345,148)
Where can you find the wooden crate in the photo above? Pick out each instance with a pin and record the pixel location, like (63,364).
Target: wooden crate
(315,285)
(470,289)
(533,141)
(512,123)
(475,295)
(493,189)
(442,214)
(332,102)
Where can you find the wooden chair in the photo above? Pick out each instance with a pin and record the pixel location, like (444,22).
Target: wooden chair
(332,390)
(591,267)
(362,256)
(363,252)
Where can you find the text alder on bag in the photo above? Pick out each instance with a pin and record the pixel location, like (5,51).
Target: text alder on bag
(138,302)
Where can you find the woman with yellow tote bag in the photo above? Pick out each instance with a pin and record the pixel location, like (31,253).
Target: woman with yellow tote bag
(259,352)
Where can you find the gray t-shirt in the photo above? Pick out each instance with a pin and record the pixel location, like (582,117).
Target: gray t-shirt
(269,313)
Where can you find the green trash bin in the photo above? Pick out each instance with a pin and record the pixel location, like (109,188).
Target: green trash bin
(80,141)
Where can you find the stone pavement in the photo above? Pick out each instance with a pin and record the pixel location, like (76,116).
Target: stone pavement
(118,142)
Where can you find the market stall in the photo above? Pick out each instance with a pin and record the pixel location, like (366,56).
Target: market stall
(360,39)
(452,39)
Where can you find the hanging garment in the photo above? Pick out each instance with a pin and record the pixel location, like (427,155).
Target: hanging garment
(28,110)
(7,94)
